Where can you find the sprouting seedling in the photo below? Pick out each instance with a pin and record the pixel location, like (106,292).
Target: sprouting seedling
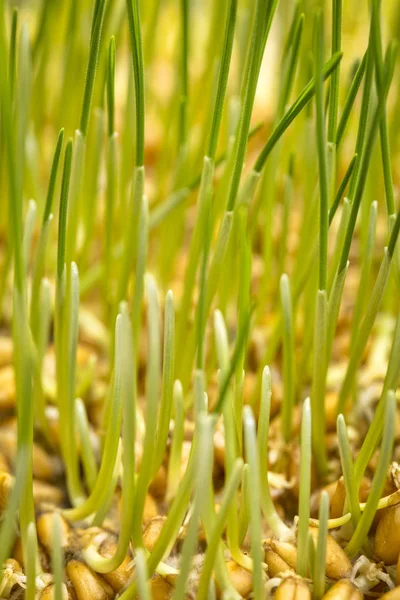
(81,133)
(124,381)
(364,524)
(288,358)
(304,489)
(320,553)
(57,556)
(348,471)
(278,526)
(252,459)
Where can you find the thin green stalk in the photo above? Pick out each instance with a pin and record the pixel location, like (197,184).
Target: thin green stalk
(361,174)
(251,78)
(374,431)
(174,463)
(142,575)
(383,126)
(319,382)
(167,382)
(367,323)
(204,462)
(135,36)
(342,188)
(350,99)
(87,453)
(152,393)
(244,516)
(292,112)
(100,490)
(230,23)
(335,81)
(287,204)
(346,462)
(378,482)
(252,459)
(30,562)
(320,553)
(304,489)
(288,358)
(135,230)
(363,285)
(322,158)
(94,50)
(111,87)
(127,389)
(214,541)
(13,50)
(279,528)
(183,74)
(57,557)
(294,39)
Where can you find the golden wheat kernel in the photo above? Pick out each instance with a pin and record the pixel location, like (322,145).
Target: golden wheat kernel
(87,585)
(315,499)
(7,387)
(45,466)
(4,466)
(286,550)
(337,565)
(150,510)
(339,496)
(392,594)
(6,483)
(241,579)
(121,576)
(49,593)
(6,350)
(160,588)
(387,536)
(343,590)
(44,526)
(276,564)
(337,500)
(152,531)
(158,486)
(293,588)
(44,493)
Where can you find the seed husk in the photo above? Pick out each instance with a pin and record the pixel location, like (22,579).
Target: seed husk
(387,537)
(152,532)
(241,579)
(49,592)
(276,564)
(293,588)
(86,583)
(44,526)
(343,590)
(338,564)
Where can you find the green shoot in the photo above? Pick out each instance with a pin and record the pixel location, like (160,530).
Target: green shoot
(57,557)
(288,358)
(348,472)
(133,10)
(252,459)
(322,158)
(361,531)
(320,553)
(305,488)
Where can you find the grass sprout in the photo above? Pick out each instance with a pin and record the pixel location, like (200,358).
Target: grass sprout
(227,184)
